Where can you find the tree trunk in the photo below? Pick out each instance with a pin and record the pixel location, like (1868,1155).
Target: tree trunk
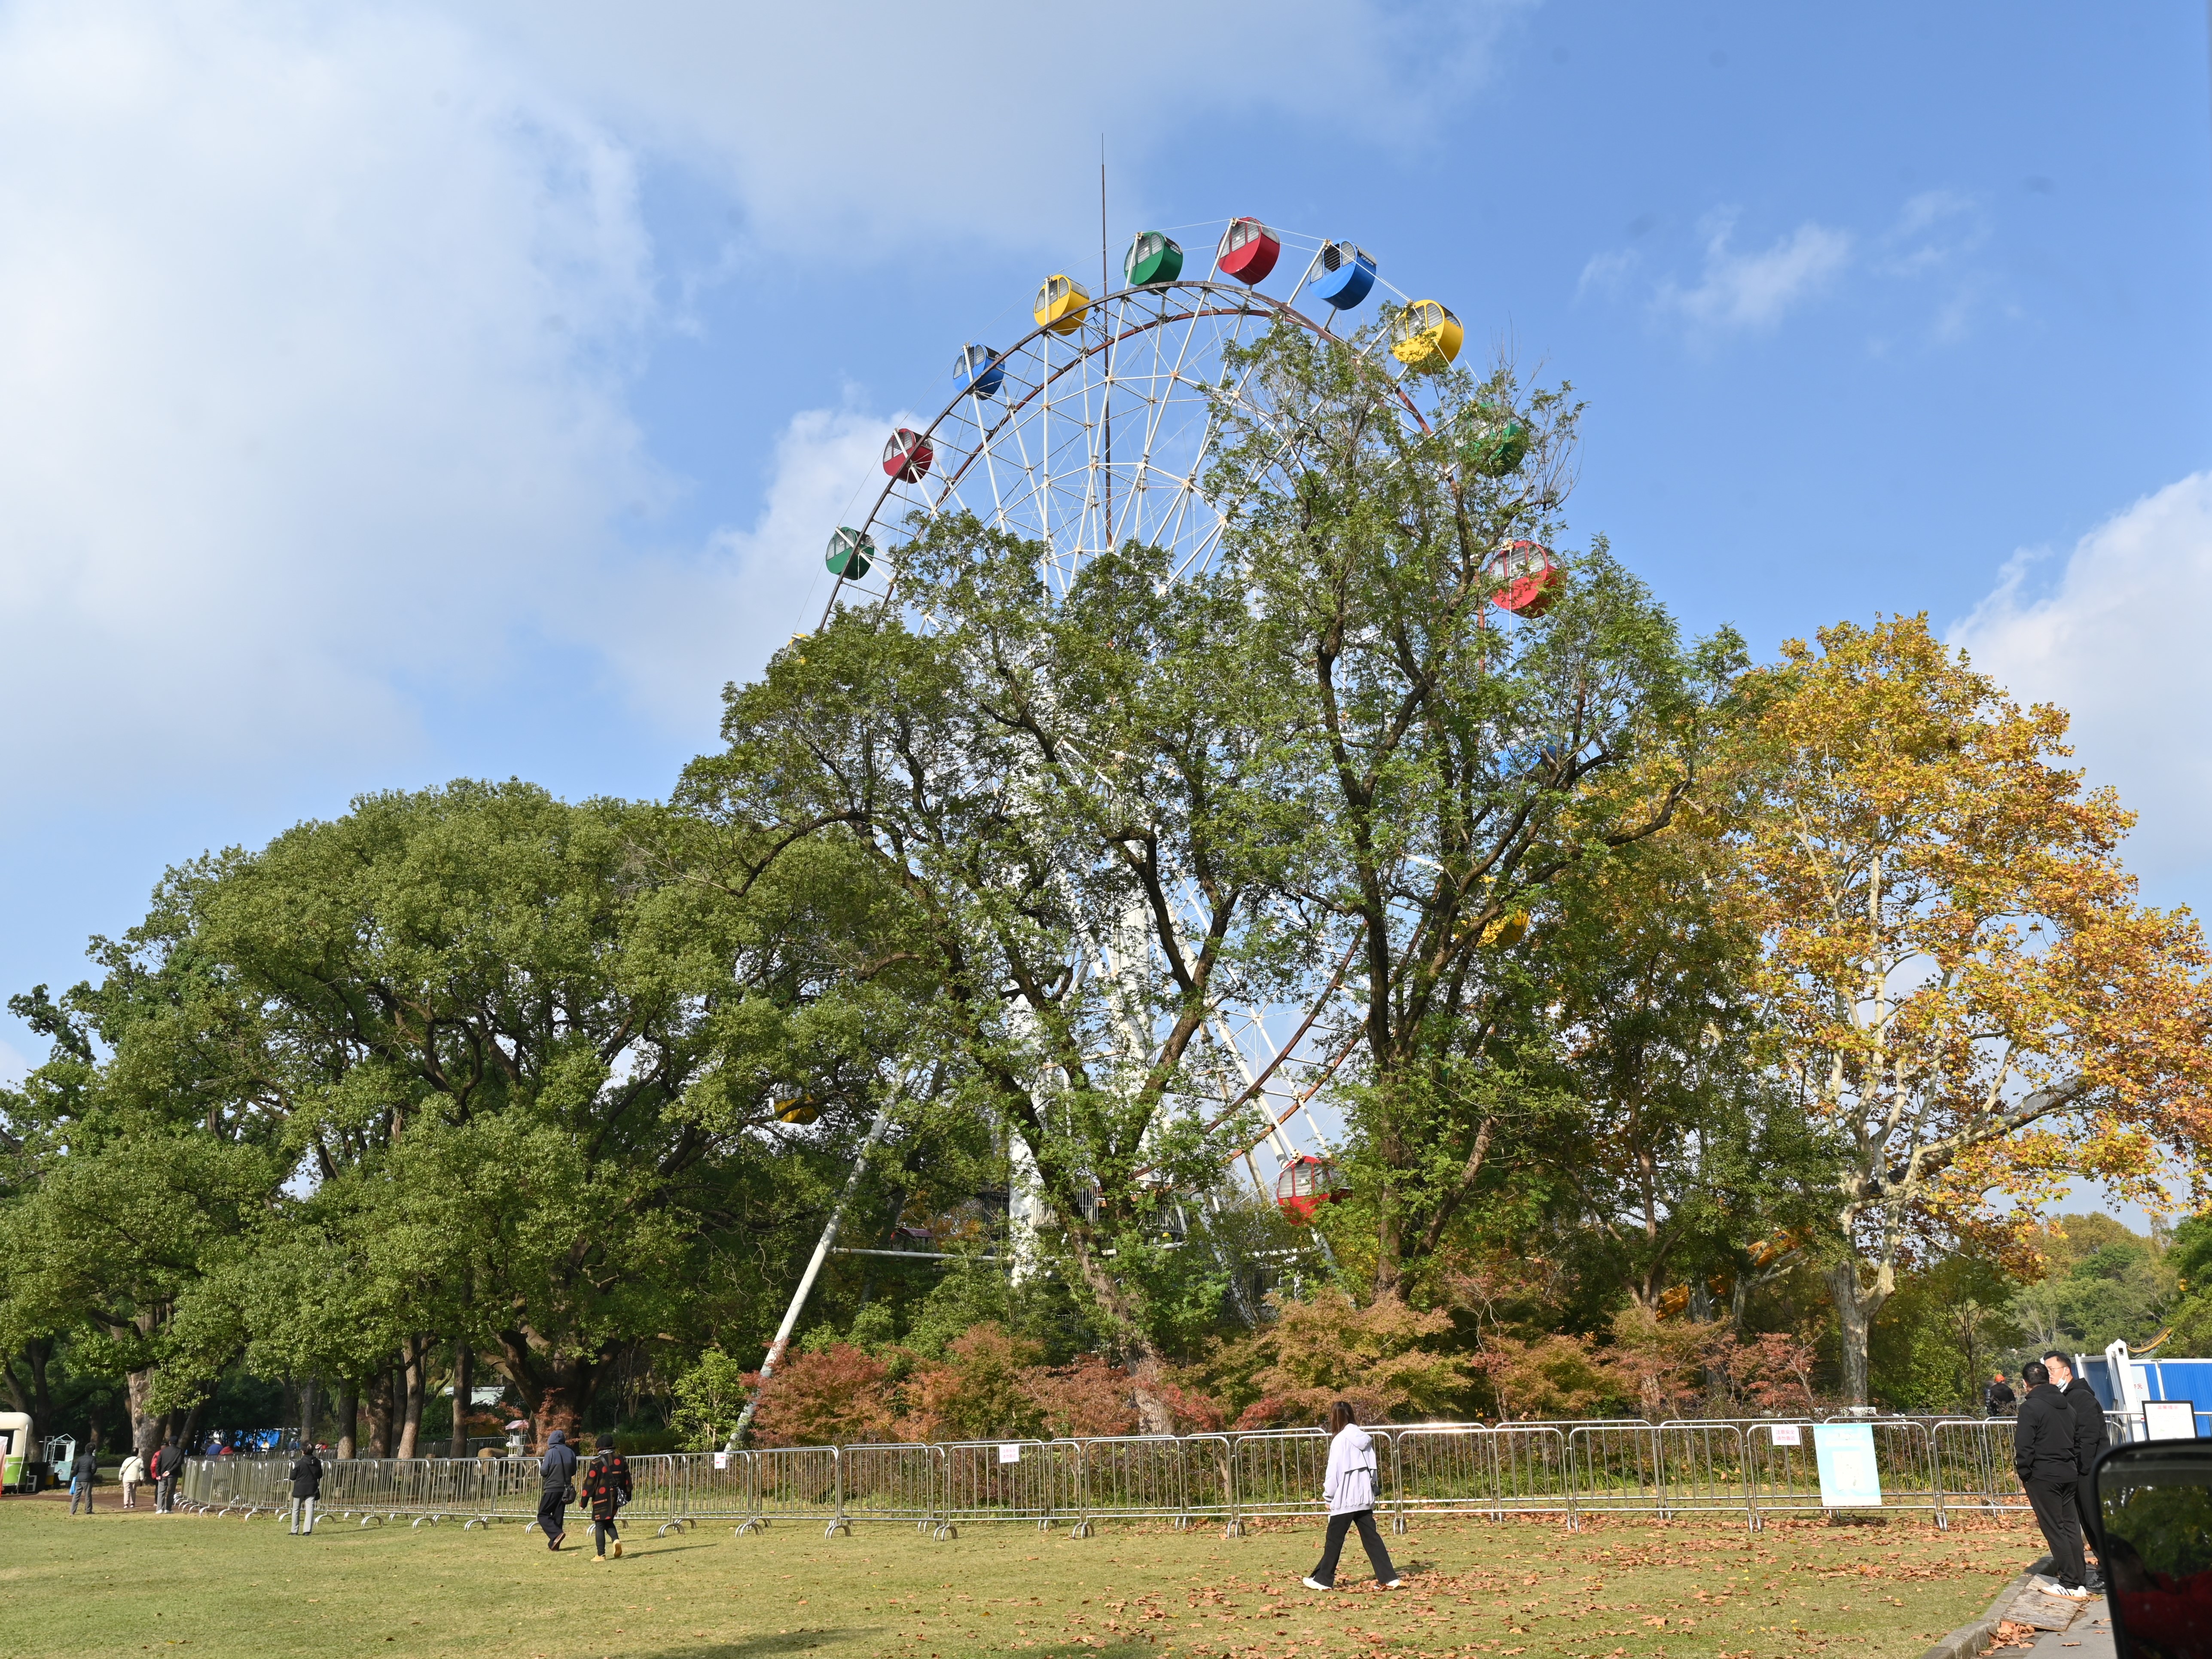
(349,1416)
(555,1388)
(145,1422)
(1854,1312)
(415,1367)
(463,1385)
(308,1389)
(379,1413)
(1153,1416)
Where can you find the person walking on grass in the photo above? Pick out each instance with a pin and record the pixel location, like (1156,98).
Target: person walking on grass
(306,1487)
(2043,1455)
(1349,1490)
(84,1474)
(2088,1443)
(557,1479)
(605,1488)
(168,1462)
(130,1476)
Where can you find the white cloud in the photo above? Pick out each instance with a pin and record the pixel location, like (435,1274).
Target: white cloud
(1933,232)
(849,121)
(1751,291)
(673,624)
(1608,273)
(313,328)
(2118,640)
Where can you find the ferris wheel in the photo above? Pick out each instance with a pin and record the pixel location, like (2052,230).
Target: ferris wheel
(1094,430)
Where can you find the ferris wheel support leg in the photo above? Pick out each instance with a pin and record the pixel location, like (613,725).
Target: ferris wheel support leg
(829,1241)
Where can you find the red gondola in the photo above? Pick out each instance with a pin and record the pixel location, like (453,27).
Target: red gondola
(1249,251)
(1526,580)
(907,454)
(1305,1184)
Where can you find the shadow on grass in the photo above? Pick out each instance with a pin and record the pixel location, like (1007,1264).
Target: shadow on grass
(799,1641)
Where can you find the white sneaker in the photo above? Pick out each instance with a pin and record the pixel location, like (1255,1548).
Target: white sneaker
(1396,1583)
(1315,1584)
(2048,1585)
(2075,1592)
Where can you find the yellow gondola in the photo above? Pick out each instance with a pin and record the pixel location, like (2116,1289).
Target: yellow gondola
(1425,335)
(1062,305)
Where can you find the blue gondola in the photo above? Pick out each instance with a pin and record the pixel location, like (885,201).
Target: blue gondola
(1343,276)
(978,369)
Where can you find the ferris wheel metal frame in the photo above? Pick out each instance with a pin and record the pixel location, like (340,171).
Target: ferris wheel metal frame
(1035,456)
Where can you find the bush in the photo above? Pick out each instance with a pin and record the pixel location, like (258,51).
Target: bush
(1330,1348)
(839,1395)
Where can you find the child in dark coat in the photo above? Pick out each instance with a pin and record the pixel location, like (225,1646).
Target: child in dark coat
(605,1488)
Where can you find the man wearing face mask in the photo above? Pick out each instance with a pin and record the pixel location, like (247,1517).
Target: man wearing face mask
(2089,1441)
(2043,1455)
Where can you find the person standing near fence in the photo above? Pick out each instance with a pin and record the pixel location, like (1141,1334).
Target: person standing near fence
(2088,1443)
(2043,1455)
(84,1474)
(1997,1397)
(557,1488)
(306,1487)
(605,1488)
(1349,1490)
(129,1476)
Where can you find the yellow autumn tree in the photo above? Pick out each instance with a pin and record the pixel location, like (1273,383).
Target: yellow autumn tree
(1966,995)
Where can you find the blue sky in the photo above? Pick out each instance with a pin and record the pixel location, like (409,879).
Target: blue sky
(400,392)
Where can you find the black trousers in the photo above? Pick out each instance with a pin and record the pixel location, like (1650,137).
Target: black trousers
(602,1534)
(165,1494)
(553,1515)
(1377,1557)
(2092,1531)
(2055,1512)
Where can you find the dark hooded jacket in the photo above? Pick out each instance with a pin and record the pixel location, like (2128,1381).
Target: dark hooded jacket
(559,1468)
(308,1475)
(2042,1437)
(2089,1423)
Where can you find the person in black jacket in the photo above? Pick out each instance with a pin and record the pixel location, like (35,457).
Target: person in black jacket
(557,1488)
(168,1463)
(2089,1441)
(306,1487)
(2043,1454)
(1997,1397)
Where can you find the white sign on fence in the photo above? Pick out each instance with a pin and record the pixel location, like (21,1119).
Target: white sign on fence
(1785,1434)
(2169,1419)
(721,1460)
(1009,1451)
(1849,1478)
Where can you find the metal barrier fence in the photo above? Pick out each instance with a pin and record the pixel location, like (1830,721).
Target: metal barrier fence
(1748,1468)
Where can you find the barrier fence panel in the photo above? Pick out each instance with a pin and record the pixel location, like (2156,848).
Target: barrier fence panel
(1701,1468)
(1616,1468)
(1128,1477)
(1782,1475)
(891,1483)
(1209,1477)
(658,1491)
(1973,1464)
(796,1483)
(1033,1481)
(719,1486)
(1512,1470)
(1904,1458)
(1282,1472)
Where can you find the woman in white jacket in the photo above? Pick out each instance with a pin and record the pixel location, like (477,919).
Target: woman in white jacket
(132,1471)
(1349,1487)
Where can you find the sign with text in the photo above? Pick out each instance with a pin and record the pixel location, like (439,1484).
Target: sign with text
(1786,1434)
(1009,1451)
(1849,1478)
(2169,1419)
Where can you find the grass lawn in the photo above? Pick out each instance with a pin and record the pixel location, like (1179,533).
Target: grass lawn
(125,1585)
